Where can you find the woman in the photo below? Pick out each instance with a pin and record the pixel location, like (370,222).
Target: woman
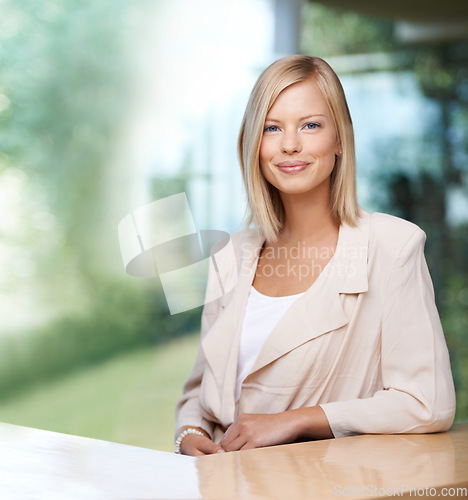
(331,329)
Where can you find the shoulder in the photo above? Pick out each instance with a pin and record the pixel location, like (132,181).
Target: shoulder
(394,236)
(388,226)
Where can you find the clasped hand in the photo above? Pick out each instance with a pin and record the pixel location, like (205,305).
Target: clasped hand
(248,431)
(255,430)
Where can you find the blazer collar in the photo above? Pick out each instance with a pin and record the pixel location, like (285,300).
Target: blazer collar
(319,310)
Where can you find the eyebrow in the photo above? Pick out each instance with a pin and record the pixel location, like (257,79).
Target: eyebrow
(300,119)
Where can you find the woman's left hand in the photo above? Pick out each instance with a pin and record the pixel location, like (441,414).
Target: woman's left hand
(254,430)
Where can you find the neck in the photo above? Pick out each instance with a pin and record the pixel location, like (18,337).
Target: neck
(308,216)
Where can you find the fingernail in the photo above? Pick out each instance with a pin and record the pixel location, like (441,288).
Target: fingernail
(220,451)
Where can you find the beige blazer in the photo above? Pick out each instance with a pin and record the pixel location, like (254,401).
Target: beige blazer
(366,343)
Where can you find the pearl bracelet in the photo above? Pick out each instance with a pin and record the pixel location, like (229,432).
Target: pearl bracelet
(180,437)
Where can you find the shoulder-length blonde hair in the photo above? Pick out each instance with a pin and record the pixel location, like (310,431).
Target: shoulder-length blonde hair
(266,209)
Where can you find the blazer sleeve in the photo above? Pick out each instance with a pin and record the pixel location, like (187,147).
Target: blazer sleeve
(188,408)
(418,395)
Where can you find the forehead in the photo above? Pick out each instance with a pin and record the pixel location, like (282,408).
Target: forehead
(302,97)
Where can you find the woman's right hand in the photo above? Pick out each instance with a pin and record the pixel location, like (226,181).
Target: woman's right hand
(196,446)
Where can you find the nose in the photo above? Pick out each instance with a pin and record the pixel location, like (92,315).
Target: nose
(291,142)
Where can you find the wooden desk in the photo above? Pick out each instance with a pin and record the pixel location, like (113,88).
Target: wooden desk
(36,464)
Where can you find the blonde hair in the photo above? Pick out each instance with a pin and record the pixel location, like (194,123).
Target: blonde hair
(265,207)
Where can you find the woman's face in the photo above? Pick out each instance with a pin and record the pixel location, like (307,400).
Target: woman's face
(299,143)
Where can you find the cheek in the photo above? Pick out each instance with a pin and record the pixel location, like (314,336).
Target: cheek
(324,146)
(265,171)
(265,157)
(264,152)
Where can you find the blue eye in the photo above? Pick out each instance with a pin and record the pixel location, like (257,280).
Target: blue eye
(312,126)
(270,128)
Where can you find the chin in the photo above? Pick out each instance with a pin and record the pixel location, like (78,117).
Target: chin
(299,187)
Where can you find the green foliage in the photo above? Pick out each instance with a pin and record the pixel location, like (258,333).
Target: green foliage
(436,78)
(66,75)
(129,399)
(121,318)
(65,94)
(331,32)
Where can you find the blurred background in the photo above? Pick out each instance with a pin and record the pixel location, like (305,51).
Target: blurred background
(108,105)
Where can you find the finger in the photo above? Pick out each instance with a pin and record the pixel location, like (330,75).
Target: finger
(198,445)
(248,446)
(197,453)
(236,444)
(208,447)
(229,436)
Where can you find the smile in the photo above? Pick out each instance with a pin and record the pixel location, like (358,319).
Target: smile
(292,167)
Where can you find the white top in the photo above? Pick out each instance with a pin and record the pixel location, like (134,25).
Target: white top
(261,316)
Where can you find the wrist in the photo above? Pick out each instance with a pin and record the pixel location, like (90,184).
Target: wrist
(186,431)
(311,423)
(300,425)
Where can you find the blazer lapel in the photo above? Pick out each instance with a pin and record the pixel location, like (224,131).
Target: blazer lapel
(221,343)
(320,309)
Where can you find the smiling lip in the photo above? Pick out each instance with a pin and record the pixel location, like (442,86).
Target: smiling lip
(292,167)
